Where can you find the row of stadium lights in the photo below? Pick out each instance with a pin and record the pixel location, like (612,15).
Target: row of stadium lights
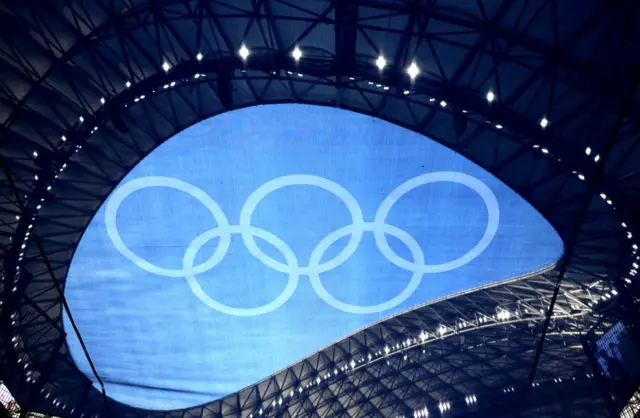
(413,71)
(423,338)
(166,66)
(634,247)
(502,314)
(471,400)
(443,406)
(31,375)
(604,297)
(609,202)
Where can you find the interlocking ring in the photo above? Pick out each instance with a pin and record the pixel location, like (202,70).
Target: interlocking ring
(132,186)
(298,180)
(292,263)
(223,231)
(473,183)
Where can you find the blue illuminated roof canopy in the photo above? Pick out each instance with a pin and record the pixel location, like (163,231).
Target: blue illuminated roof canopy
(252,239)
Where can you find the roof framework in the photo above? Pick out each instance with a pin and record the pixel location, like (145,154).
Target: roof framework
(85,95)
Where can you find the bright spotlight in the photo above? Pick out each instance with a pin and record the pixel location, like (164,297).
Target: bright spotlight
(199,57)
(296,54)
(381,63)
(490,97)
(244,52)
(544,122)
(166,66)
(413,70)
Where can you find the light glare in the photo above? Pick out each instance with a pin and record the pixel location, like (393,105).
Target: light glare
(244,52)
(297,53)
(544,122)
(413,70)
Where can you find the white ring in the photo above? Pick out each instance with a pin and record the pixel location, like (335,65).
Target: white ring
(307,180)
(442,176)
(125,190)
(314,268)
(416,278)
(292,284)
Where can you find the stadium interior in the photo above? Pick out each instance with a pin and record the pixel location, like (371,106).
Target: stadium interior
(319,208)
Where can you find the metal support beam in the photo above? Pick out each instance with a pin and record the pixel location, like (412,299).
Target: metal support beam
(345,33)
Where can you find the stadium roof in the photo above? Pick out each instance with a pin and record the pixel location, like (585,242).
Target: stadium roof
(541,94)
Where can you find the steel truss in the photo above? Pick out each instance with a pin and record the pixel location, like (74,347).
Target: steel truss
(84,97)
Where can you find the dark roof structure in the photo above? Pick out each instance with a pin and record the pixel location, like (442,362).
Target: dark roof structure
(542,94)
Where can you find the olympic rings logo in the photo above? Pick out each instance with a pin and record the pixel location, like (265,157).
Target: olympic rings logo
(380,229)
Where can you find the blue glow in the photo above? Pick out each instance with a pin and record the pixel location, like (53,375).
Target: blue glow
(257,237)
